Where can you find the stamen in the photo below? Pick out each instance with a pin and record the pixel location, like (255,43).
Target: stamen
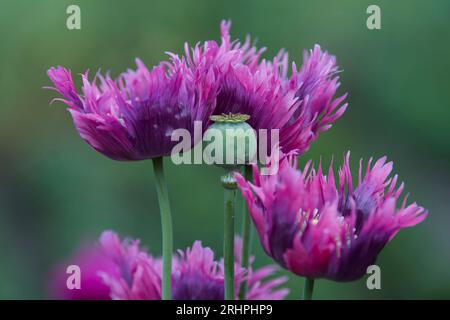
(338,246)
(316,213)
(304,220)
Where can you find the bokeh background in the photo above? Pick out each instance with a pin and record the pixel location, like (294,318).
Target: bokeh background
(56,192)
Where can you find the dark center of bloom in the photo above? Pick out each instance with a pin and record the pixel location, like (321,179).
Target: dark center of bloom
(365,202)
(197,286)
(282,233)
(233,99)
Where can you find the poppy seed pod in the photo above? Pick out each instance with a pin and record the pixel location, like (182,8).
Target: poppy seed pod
(230,142)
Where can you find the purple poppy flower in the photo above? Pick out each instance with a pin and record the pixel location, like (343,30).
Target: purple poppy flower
(139,274)
(316,230)
(109,268)
(129,273)
(300,106)
(198,276)
(133,117)
(91,260)
(195,276)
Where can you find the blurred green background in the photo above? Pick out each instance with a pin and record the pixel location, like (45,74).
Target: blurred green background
(56,192)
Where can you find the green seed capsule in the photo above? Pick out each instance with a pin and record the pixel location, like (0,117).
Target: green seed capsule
(230,142)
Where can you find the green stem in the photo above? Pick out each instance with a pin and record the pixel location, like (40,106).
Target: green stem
(308,288)
(228,233)
(246,237)
(166,224)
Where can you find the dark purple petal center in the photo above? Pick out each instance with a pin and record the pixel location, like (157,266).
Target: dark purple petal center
(197,286)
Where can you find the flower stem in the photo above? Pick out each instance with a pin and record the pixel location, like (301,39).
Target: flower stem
(166,224)
(246,237)
(308,288)
(229,184)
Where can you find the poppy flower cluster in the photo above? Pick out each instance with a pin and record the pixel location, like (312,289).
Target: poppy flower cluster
(309,223)
(121,270)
